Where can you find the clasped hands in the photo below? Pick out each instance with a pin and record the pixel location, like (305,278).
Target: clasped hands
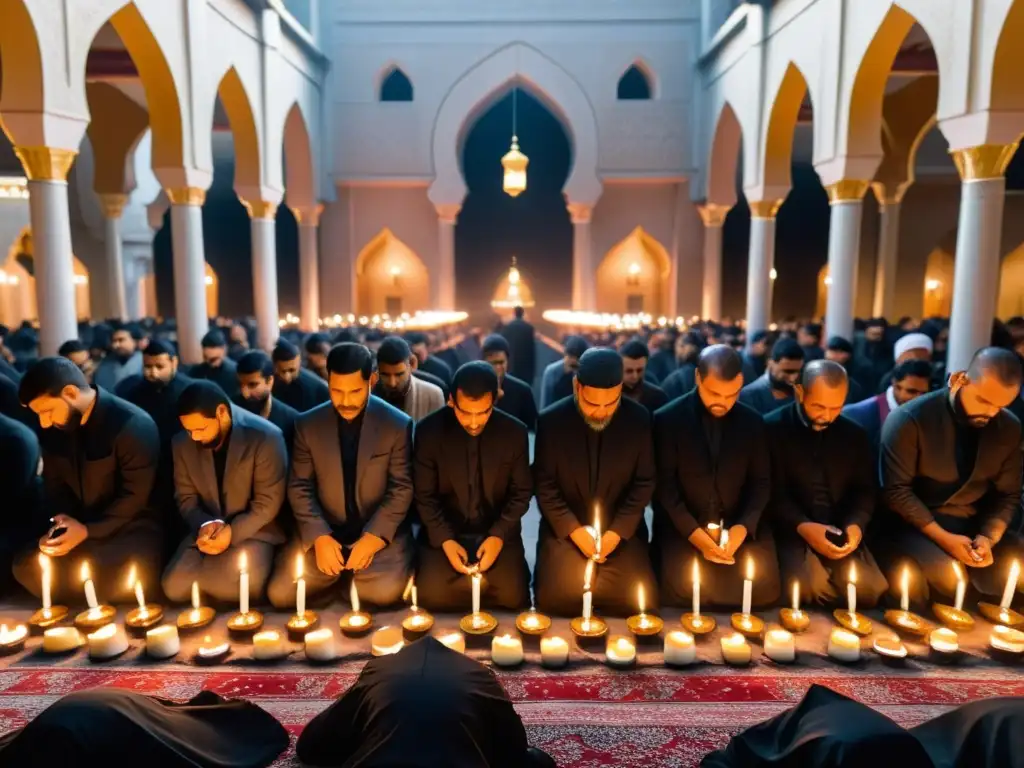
(974,553)
(816,536)
(214,538)
(74,533)
(330,559)
(714,553)
(486,554)
(584,540)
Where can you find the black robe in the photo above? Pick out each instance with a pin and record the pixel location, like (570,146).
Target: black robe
(517,400)
(522,345)
(224,375)
(680,382)
(650,396)
(23,518)
(303,394)
(435,366)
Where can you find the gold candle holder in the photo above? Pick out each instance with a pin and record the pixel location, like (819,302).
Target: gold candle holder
(857,623)
(139,618)
(245,623)
(12,640)
(195,618)
(592,627)
(355,623)
(417,623)
(698,623)
(93,618)
(794,621)
(45,618)
(301,623)
(907,622)
(478,623)
(953,617)
(999,615)
(748,625)
(533,623)
(645,624)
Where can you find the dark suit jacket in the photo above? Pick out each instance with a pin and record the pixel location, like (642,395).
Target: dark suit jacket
(316,487)
(11,407)
(758,396)
(561,470)
(432,379)
(680,382)
(800,456)
(254,480)
(522,344)
(442,485)
(306,392)
(517,400)
(870,414)
(919,472)
(661,364)
(690,492)
(652,397)
(282,416)
(224,375)
(437,367)
(19,478)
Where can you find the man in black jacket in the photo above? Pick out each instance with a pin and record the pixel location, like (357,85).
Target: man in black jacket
(19,478)
(823,492)
(216,366)
(295,386)
(681,381)
(522,343)
(635,355)
(515,397)
(951,481)
(256,383)
(100,456)
(594,463)
(471,474)
(419,342)
(713,475)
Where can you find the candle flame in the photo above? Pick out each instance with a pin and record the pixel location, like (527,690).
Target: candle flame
(1014,570)
(750,569)
(696,571)
(796,595)
(84,573)
(299,565)
(956,569)
(905,580)
(640,597)
(853,573)
(408,588)
(588,574)
(132,576)
(623,645)
(44,562)
(243,561)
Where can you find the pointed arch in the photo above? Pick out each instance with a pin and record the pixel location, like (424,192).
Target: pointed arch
(778,143)
(1007,95)
(723,161)
(634,275)
(242,118)
(19,51)
(395,85)
(390,276)
(636,83)
(937,287)
(18,288)
(212,282)
(300,179)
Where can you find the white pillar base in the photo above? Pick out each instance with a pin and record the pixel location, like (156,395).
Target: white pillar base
(843,255)
(309,276)
(759,282)
(888,256)
(53,263)
(264,282)
(116,291)
(189,280)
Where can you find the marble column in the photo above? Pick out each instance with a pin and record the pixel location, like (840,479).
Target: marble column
(117,301)
(759,266)
(47,171)
(308,219)
(978,244)
(846,197)
(889,197)
(713,216)
(189,270)
(263,215)
(584,278)
(443,286)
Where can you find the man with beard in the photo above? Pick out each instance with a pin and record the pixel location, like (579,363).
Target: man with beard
(229,482)
(775,388)
(951,482)
(557,381)
(472,478)
(238,341)
(78,353)
(713,476)
(295,386)
(317,347)
(875,353)
(350,489)
(522,347)
(809,337)
(755,356)
(681,380)
(100,456)
(123,360)
(256,383)
(823,492)
(663,359)
(428,363)
(594,465)
(515,397)
(216,366)
(910,380)
(398,387)
(839,350)
(635,356)
(913,346)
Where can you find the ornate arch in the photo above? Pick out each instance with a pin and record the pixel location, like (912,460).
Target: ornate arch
(242,118)
(19,45)
(1006,67)
(777,156)
(724,157)
(388,268)
(300,179)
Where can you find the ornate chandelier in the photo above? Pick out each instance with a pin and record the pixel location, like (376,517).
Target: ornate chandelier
(514,162)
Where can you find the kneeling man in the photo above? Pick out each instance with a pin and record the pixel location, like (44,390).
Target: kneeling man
(823,491)
(229,483)
(594,459)
(473,485)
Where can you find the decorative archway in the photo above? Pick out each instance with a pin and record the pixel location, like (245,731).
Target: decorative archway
(521,66)
(298,153)
(1006,95)
(19,44)
(777,156)
(212,291)
(1011,285)
(937,289)
(390,277)
(823,282)
(18,284)
(242,118)
(723,161)
(634,276)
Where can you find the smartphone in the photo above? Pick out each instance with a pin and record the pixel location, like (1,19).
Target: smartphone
(836,537)
(56,533)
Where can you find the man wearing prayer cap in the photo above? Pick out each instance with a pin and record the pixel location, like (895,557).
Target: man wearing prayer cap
(594,475)
(912,346)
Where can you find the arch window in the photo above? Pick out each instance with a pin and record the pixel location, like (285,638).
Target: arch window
(396,86)
(634,85)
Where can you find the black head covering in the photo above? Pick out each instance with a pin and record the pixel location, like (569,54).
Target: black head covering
(600,368)
(575,346)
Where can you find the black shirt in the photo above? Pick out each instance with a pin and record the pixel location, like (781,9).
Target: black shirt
(517,400)
(220,460)
(713,435)
(966,445)
(821,495)
(594,457)
(348,439)
(307,391)
(476,478)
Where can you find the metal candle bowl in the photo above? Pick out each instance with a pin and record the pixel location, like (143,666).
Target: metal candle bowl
(998,615)
(794,621)
(299,625)
(93,618)
(478,623)
(857,623)
(425,623)
(44,619)
(357,629)
(245,623)
(195,618)
(144,619)
(954,618)
(748,625)
(538,626)
(594,628)
(698,624)
(908,622)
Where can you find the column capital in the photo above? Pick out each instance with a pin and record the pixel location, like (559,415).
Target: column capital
(448,212)
(186,195)
(46,163)
(112,204)
(308,215)
(986,161)
(764,209)
(888,192)
(580,213)
(847,191)
(260,209)
(713,214)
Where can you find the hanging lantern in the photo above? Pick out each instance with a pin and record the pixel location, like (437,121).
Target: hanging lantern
(514,162)
(512,291)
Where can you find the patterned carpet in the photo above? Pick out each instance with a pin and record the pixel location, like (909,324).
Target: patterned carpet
(587,715)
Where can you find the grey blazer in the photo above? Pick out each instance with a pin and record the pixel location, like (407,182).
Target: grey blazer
(254,480)
(316,488)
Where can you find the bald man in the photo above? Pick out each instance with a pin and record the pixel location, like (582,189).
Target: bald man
(951,482)
(713,468)
(594,458)
(823,491)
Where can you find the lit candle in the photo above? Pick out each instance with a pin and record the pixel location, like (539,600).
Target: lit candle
(1006,639)
(748,586)
(680,649)
(387,641)
(133,580)
(454,640)
(62,640)
(107,642)
(476,593)
(779,646)
(300,586)
(851,591)
(905,589)
(12,639)
(358,620)
(210,650)
(696,589)
(243,583)
(195,600)
(320,645)
(507,651)
(588,598)
(554,652)
(90,588)
(1011,586)
(44,563)
(620,651)
(796,597)
(597,530)
(723,539)
(961,586)
(415,598)
(163,642)
(417,620)
(844,645)
(267,646)
(943,640)
(640,603)
(735,649)
(715,532)
(531,621)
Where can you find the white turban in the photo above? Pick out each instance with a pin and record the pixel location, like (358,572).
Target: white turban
(909,342)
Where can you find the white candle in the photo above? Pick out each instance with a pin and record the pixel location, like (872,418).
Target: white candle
(300,586)
(588,600)
(748,586)
(943,640)
(620,651)
(779,646)
(715,532)
(843,645)
(62,639)
(680,649)
(476,593)
(44,563)
(597,530)
(1011,586)
(696,587)
(90,588)
(320,645)
(961,586)
(640,600)
(415,598)
(163,642)
(507,651)
(723,539)
(796,597)
(267,646)
(905,589)
(211,650)
(851,590)
(1006,639)
(453,640)
(140,597)
(195,598)
(554,652)
(9,637)
(107,642)
(735,649)
(243,583)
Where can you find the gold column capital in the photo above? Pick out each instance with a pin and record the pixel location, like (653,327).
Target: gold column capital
(889,193)
(713,214)
(46,163)
(847,191)
(986,161)
(764,209)
(308,215)
(186,195)
(580,213)
(260,209)
(112,204)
